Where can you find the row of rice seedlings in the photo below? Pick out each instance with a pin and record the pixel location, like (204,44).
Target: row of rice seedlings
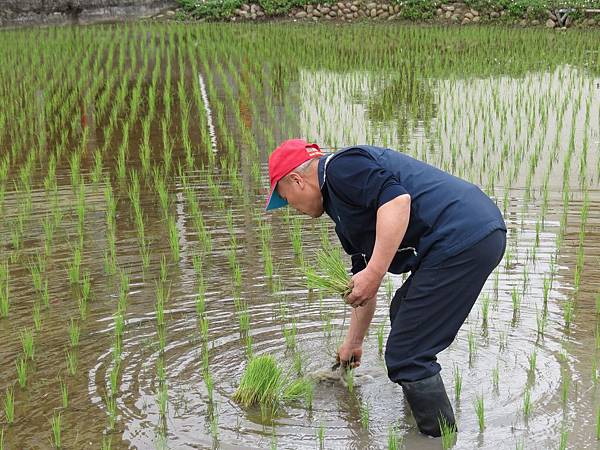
(134,196)
(110,253)
(197,217)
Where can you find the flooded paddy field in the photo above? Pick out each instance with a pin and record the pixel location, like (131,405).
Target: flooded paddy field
(139,272)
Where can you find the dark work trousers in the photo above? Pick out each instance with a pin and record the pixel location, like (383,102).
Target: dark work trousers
(433,303)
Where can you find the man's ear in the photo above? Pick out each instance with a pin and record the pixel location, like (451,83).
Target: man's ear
(295,177)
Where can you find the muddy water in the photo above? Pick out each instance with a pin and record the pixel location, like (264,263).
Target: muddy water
(489,129)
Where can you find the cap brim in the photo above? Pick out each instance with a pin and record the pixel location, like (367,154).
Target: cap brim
(275,201)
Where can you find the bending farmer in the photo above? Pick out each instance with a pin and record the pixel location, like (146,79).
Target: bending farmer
(395,214)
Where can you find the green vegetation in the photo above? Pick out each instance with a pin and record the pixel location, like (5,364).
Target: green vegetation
(419,10)
(132,179)
(480,412)
(57,430)
(264,383)
(448,433)
(9,405)
(331,275)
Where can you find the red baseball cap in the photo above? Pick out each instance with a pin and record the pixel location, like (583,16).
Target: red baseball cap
(289,155)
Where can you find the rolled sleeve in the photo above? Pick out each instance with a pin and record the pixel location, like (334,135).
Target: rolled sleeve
(390,192)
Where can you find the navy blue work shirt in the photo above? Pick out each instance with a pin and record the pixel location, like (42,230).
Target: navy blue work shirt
(447,214)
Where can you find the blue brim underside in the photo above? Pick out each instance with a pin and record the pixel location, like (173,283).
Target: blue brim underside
(276,201)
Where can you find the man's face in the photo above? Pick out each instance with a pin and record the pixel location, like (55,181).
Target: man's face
(301,195)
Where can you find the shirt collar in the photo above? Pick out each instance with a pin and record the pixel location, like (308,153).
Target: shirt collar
(321,169)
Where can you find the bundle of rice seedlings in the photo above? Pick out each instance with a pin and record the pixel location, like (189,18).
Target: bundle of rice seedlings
(300,389)
(331,274)
(261,383)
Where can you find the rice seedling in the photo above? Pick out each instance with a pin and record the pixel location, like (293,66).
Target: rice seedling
(71,362)
(4,292)
(300,389)
(106,443)
(472,345)
(541,322)
(496,377)
(27,343)
(389,288)
(210,386)
(565,385)
(244,318)
(74,268)
(532,363)
(173,238)
(448,433)
(9,405)
(364,415)
(516,300)
(74,332)
(568,311)
(321,435)
(37,318)
(564,438)
(380,334)
(57,429)
(64,393)
(249,351)
(111,409)
(527,406)
(203,322)
(394,441)
(164,270)
(485,306)
(457,383)
(289,335)
(163,399)
(480,411)
(336,280)
(201,302)
(21,364)
(349,379)
(598,424)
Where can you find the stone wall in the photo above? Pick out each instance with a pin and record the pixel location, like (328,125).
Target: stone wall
(35,12)
(447,13)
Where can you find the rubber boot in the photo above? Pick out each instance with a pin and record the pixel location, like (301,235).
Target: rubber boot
(429,404)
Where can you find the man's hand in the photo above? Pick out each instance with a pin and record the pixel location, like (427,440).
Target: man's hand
(349,355)
(365,285)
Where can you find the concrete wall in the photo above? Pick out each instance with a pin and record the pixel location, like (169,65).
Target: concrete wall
(35,12)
